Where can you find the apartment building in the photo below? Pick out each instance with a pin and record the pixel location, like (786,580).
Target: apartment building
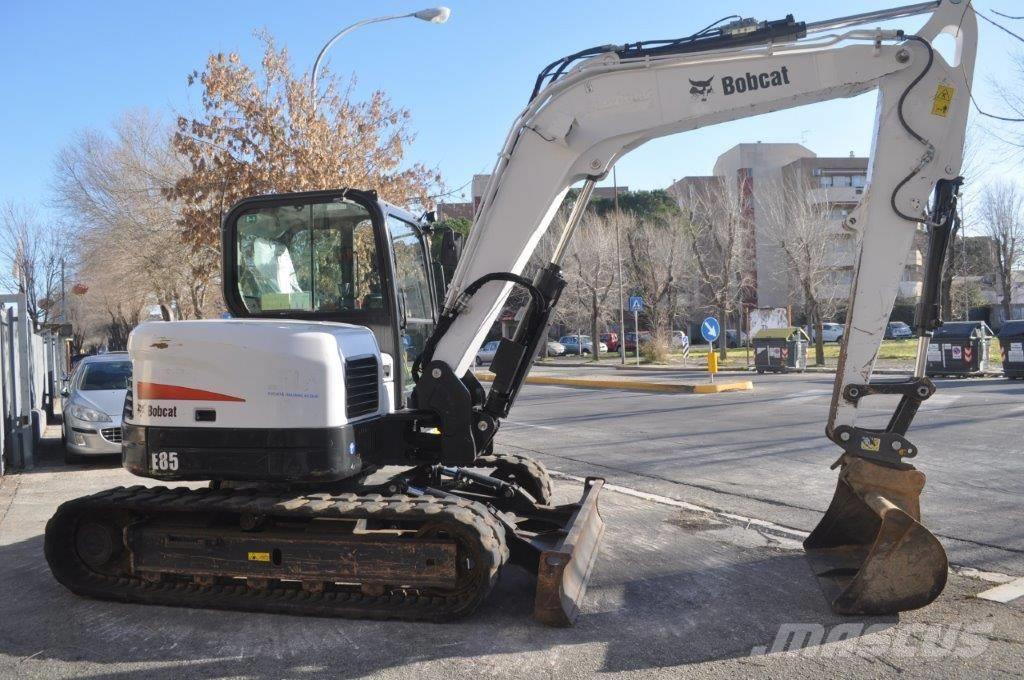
(835,185)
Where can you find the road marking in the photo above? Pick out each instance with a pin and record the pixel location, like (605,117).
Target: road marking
(1004,593)
(539,427)
(806,395)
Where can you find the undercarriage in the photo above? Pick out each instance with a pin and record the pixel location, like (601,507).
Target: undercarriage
(427,543)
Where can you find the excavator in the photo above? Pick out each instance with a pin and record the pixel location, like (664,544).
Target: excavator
(347,446)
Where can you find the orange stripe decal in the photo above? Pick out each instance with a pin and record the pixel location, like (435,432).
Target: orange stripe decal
(148,390)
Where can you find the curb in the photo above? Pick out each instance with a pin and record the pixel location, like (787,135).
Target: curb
(635,385)
(715,388)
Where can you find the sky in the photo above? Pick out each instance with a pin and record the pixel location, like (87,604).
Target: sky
(72,65)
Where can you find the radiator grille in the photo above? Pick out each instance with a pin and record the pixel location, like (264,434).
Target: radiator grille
(361,387)
(126,412)
(112,434)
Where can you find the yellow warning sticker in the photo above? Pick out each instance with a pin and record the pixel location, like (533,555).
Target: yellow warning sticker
(943,98)
(870,443)
(259,557)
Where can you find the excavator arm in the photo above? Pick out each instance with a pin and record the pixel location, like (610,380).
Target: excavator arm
(582,118)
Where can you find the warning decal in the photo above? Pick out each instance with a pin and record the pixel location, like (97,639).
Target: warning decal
(943,98)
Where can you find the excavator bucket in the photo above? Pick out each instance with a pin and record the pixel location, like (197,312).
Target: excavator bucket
(564,568)
(870,552)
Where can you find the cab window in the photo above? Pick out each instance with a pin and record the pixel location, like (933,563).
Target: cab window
(313,258)
(411,282)
(412,286)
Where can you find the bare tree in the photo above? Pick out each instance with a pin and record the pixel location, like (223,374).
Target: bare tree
(33,250)
(112,188)
(590,271)
(654,257)
(798,223)
(1002,212)
(717,228)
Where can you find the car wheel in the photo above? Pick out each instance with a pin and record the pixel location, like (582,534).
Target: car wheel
(585,352)
(479,362)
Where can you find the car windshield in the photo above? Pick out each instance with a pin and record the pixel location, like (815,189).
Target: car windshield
(106,375)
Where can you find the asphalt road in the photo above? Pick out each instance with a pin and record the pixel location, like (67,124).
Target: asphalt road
(675,593)
(763,453)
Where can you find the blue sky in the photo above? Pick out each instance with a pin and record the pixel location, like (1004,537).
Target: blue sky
(76,65)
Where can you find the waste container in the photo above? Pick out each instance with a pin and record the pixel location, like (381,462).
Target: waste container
(1011,343)
(959,348)
(780,350)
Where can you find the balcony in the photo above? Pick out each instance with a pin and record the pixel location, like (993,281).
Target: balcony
(835,195)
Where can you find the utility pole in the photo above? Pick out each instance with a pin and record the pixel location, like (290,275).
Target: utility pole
(63,301)
(618,256)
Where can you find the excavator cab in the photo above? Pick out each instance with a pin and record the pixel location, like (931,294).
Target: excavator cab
(343,256)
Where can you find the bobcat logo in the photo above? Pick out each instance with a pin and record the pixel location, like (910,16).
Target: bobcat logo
(701,88)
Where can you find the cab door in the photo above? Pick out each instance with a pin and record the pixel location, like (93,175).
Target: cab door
(415,295)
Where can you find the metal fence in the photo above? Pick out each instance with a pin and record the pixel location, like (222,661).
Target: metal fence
(32,363)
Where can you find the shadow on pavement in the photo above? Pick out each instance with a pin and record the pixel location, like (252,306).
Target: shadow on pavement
(659,620)
(49,457)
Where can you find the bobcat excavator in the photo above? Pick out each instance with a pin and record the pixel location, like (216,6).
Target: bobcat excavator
(348,445)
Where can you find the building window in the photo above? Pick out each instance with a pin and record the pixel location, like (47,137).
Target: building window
(826,181)
(840,180)
(859,181)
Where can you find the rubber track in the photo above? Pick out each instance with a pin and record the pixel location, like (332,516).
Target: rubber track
(538,481)
(467,518)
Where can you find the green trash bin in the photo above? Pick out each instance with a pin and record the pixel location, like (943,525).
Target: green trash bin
(781,350)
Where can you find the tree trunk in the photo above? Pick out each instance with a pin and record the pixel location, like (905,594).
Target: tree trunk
(819,332)
(723,343)
(946,292)
(593,325)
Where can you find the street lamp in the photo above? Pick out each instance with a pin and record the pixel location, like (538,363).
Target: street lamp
(435,15)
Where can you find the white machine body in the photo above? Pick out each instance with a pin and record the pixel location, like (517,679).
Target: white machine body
(252,373)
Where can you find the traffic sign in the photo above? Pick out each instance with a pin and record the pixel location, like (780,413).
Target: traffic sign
(636,303)
(710,329)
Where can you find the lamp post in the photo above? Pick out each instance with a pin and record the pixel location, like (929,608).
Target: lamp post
(435,15)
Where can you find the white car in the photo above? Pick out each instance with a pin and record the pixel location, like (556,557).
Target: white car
(93,403)
(830,332)
(485,355)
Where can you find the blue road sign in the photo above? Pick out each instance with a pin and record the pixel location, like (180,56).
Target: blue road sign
(636,303)
(710,329)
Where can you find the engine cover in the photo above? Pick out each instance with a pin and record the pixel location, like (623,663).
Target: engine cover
(250,399)
(254,373)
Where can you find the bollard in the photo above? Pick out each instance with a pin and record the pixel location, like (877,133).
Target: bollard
(712,364)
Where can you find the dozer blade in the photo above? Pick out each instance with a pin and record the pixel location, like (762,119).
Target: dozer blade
(870,552)
(564,570)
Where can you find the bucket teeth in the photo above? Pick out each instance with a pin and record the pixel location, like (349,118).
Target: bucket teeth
(870,552)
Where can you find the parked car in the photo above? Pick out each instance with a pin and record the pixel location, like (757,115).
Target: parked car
(611,340)
(93,402)
(898,330)
(734,338)
(555,349)
(485,355)
(630,340)
(830,332)
(580,344)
